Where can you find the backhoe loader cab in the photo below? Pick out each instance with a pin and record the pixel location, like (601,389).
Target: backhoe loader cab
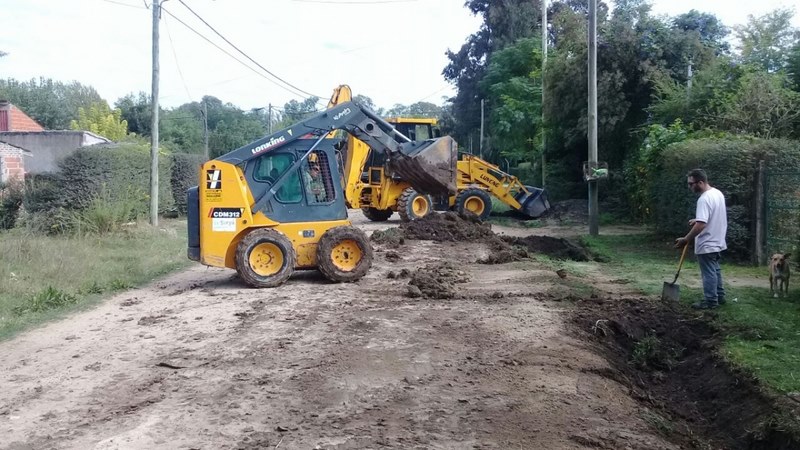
(277,204)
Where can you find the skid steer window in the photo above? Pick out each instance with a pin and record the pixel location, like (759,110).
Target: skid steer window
(318,179)
(271,167)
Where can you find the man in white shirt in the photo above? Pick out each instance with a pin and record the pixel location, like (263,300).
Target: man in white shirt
(709,226)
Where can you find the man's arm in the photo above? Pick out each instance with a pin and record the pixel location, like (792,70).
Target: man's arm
(697,228)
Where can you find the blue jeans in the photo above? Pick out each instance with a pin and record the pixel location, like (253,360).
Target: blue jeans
(713,292)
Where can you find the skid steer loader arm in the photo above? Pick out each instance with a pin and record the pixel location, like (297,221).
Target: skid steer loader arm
(430,166)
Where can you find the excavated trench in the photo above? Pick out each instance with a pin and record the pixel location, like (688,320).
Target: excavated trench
(670,359)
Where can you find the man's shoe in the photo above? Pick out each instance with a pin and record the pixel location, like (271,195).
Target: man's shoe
(703,305)
(721,302)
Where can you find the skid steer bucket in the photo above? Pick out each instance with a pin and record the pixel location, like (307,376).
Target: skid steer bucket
(429,166)
(534,202)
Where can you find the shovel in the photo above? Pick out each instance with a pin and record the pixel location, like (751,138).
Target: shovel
(672,291)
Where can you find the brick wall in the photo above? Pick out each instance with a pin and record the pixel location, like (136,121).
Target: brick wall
(12,163)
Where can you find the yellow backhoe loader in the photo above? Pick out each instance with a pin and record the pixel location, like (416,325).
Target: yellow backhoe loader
(277,204)
(371,185)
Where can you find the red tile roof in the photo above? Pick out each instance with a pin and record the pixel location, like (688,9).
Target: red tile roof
(12,119)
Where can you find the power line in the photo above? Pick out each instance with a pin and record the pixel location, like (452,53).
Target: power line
(245,54)
(227,53)
(347,2)
(177,64)
(124,4)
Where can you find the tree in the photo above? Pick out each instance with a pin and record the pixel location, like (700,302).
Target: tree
(766,41)
(52,104)
(513,83)
(136,110)
(366,101)
(2,53)
(763,106)
(100,119)
(793,66)
(295,111)
(419,109)
(504,22)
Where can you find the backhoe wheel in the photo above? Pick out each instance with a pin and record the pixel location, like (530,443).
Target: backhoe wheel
(475,201)
(265,258)
(344,254)
(412,205)
(377,215)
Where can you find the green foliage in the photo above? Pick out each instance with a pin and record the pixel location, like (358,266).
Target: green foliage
(101,120)
(137,112)
(642,166)
(122,171)
(48,298)
(765,41)
(52,104)
(11,196)
(184,173)
(513,83)
(731,165)
(105,214)
(419,109)
(763,106)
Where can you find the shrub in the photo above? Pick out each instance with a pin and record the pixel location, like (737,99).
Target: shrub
(11,197)
(119,170)
(49,298)
(184,173)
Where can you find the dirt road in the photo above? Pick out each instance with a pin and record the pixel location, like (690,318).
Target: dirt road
(197,360)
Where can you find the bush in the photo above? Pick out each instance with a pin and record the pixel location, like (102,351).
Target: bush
(11,196)
(184,173)
(117,171)
(731,164)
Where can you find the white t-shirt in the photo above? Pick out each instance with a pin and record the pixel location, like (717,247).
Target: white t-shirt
(711,211)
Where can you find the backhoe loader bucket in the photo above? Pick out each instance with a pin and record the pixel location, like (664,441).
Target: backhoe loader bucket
(429,166)
(533,203)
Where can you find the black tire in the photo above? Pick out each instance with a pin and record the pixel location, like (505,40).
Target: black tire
(377,215)
(344,254)
(475,201)
(271,264)
(412,205)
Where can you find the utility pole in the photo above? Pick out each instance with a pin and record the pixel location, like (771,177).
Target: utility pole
(593,208)
(480,144)
(544,65)
(154,123)
(269,119)
(205,130)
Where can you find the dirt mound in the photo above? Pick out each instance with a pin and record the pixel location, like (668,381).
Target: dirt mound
(392,237)
(435,281)
(670,360)
(448,226)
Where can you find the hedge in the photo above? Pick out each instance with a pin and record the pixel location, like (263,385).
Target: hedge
(731,165)
(184,173)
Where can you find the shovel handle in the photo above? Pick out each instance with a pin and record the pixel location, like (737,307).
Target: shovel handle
(680,264)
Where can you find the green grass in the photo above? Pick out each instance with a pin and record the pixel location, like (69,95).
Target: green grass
(762,334)
(44,277)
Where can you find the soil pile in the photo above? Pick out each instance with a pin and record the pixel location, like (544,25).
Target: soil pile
(392,237)
(436,281)
(670,360)
(448,226)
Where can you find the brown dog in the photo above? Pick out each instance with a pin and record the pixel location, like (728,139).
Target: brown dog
(779,273)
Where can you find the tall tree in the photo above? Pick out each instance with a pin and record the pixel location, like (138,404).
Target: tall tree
(100,119)
(504,22)
(419,109)
(136,110)
(766,41)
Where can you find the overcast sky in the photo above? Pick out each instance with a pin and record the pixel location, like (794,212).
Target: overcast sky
(390,50)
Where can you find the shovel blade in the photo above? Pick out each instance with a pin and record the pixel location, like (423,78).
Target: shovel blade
(671,292)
